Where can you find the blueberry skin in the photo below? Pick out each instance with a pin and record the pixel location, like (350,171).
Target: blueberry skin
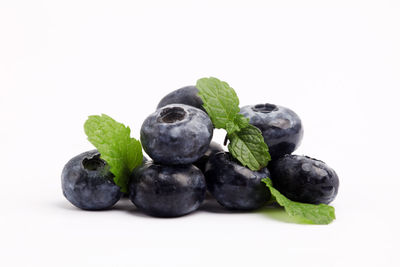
(304,179)
(212,149)
(87,182)
(187,95)
(235,186)
(167,190)
(281,127)
(176,134)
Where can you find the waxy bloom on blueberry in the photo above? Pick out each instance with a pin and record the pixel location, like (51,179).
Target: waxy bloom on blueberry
(281,127)
(235,186)
(176,134)
(304,179)
(87,182)
(187,95)
(167,190)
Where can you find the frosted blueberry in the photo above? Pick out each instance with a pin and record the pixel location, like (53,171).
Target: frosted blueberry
(87,182)
(176,134)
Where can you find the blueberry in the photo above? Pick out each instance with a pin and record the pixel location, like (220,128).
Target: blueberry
(176,134)
(212,149)
(87,182)
(281,127)
(234,186)
(187,95)
(167,190)
(304,179)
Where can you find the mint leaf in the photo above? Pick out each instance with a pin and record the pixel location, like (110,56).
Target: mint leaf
(222,105)
(247,145)
(220,102)
(112,139)
(241,121)
(316,214)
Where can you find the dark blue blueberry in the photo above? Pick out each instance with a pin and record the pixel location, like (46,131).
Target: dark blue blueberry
(187,95)
(281,127)
(87,182)
(167,190)
(176,134)
(304,179)
(212,149)
(234,186)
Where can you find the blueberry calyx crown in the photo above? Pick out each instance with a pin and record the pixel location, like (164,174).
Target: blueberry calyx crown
(93,164)
(264,108)
(171,115)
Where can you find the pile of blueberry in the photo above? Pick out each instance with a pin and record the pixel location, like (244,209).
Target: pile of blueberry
(186,163)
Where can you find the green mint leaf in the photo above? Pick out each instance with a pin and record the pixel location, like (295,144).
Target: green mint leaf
(112,139)
(222,105)
(247,145)
(316,214)
(241,121)
(220,102)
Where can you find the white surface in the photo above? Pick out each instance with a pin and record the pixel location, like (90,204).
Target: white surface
(337,65)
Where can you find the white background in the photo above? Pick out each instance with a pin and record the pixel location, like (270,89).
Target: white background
(336,64)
